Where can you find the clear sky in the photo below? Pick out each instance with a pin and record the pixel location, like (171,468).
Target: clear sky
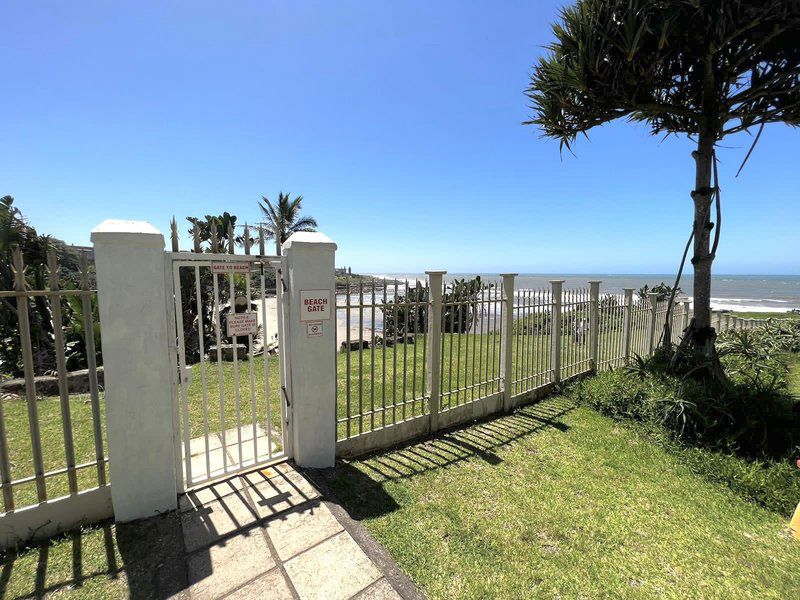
(398,121)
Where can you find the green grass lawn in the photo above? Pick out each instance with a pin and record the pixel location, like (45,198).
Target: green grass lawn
(767,315)
(53,457)
(557,501)
(53,569)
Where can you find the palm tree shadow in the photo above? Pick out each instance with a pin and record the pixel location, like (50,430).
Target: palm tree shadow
(360,486)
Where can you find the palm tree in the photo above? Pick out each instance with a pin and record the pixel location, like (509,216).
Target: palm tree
(703,69)
(284,219)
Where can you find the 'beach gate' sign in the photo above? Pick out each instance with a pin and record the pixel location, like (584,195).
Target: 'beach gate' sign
(315,305)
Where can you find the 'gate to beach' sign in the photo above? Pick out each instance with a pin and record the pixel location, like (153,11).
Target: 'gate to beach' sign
(315,305)
(230,267)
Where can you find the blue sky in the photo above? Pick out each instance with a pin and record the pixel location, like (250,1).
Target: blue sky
(399,123)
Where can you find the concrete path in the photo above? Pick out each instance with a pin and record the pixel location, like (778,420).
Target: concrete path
(271,534)
(210,464)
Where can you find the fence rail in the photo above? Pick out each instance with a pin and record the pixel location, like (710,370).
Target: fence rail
(52,448)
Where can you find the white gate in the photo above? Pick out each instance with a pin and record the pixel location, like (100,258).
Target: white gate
(232,408)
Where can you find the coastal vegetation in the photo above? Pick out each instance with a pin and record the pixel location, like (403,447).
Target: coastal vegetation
(16,231)
(704,70)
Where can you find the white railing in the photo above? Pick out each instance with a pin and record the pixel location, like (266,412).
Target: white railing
(414,358)
(51,448)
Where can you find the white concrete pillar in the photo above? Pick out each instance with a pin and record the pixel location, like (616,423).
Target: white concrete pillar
(311,333)
(131,292)
(506,329)
(556,287)
(594,323)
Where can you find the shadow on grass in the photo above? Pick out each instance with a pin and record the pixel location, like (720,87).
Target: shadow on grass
(359,485)
(132,552)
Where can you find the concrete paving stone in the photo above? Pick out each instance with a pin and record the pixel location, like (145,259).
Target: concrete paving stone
(208,523)
(273,495)
(297,530)
(380,590)
(271,586)
(260,448)
(210,493)
(336,569)
(298,483)
(223,567)
(215,467)
(283,467)
(198,444)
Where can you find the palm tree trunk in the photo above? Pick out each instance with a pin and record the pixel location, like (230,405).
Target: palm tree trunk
(702,259)
(277,245)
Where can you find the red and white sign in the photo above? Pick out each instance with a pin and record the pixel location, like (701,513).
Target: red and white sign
(245,323)
(315,305)
(230,267)
(314,329)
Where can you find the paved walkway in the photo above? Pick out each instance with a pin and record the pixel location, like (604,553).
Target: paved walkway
(270,534)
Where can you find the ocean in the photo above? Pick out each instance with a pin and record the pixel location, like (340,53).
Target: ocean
(765,293)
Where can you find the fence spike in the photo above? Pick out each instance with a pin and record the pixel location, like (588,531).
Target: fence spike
(19,269)
(214,237)
(246,239)
(261,240)
(196,236)
(174,228)
(230,238)
(52,268)
(83,266)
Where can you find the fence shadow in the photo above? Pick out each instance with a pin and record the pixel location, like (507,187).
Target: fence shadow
(59,564)
(361,489)
(134,552)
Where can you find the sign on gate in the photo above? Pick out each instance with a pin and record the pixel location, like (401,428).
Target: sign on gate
(315,305)
(245,323)
(314,328)
(230,267)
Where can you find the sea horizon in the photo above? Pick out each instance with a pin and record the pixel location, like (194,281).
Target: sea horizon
(742,293)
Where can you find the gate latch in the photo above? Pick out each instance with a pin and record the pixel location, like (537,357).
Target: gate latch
(285,396)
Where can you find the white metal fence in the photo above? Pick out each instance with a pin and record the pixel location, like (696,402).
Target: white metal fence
(51,435)
(403,373)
